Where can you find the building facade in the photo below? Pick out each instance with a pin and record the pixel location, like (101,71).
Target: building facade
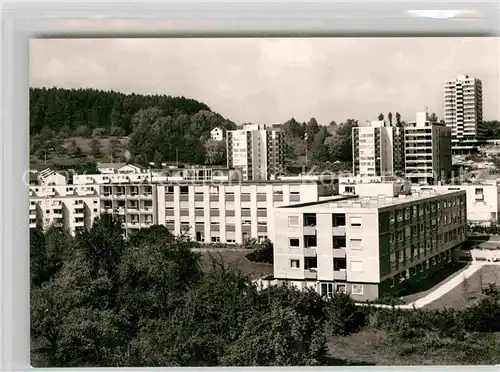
(377,150)
(428,154)
(215,210)
(367,246)
(482,198)
(217,134)
(257,150)
(73,207)
(463,111)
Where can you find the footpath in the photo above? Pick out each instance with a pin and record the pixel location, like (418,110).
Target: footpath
(439,291)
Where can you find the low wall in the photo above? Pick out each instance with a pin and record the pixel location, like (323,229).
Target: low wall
(478,255)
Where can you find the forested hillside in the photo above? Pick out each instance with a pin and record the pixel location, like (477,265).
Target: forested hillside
(160,128)
(70,109)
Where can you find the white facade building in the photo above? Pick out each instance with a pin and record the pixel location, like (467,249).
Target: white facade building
(463,111)
(121,168)
(71,206)
(257,150)
(50,177)
(377,149)
(367,246)
(428,157)
(217,134)
(483,201)
(209,209)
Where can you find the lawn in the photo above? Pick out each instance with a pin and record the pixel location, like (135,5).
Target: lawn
(375,347)
(467,293)
(86,145)
(238,261)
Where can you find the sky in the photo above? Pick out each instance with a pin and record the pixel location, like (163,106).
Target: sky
(270,80)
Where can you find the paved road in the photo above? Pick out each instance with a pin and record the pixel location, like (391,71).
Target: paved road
(441,290)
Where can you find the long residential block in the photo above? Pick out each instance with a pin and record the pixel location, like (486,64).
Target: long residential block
(367,246)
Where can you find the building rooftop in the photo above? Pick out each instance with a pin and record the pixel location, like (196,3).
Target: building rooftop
(380,201)
(111,165)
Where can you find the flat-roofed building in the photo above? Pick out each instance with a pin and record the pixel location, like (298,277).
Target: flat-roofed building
(232,213)
(367,246)
(463,112)
(378,149)
(483,201)
(69,206)
(258,150)
(208,206)
(428,157)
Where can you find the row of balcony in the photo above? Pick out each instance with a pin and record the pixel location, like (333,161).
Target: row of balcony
(312,274)
(120,195)
(123,210)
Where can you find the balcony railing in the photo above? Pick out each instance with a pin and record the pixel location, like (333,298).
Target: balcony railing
(311,273)
(339,275)
(338,230)
(310,252)
(309,230)
(339,253)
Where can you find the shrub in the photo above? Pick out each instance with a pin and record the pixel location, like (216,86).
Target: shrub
(262,253)
(343,317)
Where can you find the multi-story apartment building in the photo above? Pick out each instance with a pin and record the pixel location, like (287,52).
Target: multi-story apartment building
(428,157)
(373,186)
(134,204)
(482,198)
(257,150)
(463,111)
(213,209)
(367,246)
(231,213)
(378,149)
(70,206)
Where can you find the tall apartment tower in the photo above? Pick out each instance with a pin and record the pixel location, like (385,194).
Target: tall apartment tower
(463,111)
(257,150)
(427,150)
(378,150)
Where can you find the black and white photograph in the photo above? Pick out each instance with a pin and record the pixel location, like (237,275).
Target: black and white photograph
(239,202)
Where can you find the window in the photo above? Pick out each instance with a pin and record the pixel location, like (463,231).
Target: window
(339,264)
(338,220)
(293,221)
(357,266)
(357,289)
(342,288)
(400,236)
(295,264)
(407,213)
(355,221)
(294,243)
(326,289)
(391,217)
(356,243)
(309,219)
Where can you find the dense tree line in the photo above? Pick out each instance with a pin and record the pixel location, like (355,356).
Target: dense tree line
(83,110)
(321,144)
(159,137)
(161,128)
(99,300)
(492,129)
